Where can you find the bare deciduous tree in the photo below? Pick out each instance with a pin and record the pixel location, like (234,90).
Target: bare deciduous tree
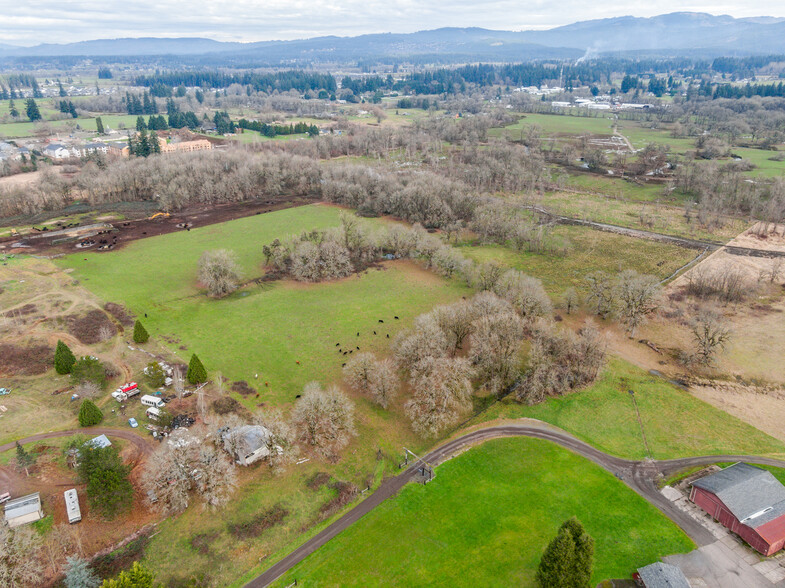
(638,297)
(376,378)
(281,443)
(602,294)
(710,334)
(324,419)
(525,293)
(20,555)
(495,344)
(219,272)
(571,300)
(442,391)
(215,475)
(425,340)
(456,321)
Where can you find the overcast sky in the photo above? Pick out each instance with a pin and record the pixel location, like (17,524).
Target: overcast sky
(57,21)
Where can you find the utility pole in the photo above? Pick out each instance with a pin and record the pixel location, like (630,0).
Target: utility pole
(423,467)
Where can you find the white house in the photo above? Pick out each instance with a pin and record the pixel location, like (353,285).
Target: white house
(57,151)
(95,148)
(23,510)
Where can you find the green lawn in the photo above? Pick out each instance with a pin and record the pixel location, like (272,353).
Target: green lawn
(589,250)
(676,423)
(264,329)
(485,520)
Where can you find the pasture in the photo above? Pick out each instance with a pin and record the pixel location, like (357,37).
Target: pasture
(676,423)
(587,250)
(261,329)
(485,520)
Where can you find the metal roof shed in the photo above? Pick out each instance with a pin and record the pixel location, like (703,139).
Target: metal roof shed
(23,510)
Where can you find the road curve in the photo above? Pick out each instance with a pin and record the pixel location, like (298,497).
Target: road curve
(140,442)
(641,476)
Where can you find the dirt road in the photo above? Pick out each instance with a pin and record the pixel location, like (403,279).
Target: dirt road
(139,442)
(641,476)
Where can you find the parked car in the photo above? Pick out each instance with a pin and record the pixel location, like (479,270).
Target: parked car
(5,497)
(132,422)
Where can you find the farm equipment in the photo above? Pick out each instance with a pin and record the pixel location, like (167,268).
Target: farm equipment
(159,215)
(5,391)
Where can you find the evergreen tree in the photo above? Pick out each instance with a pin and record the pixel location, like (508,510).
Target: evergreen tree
(196,372)
(62,91)
(584,552)
(140,333)
(23,459)
(12,110)
(136,577)
(99,125)
(556,565)
(72,110)
(64,358)
(79,574)
(88,369)
(140,124)
(89,414)
(32,110)
(108,487)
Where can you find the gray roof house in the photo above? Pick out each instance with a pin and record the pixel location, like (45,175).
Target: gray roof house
(23,510)
(248,443)
(662,575)
(99,442)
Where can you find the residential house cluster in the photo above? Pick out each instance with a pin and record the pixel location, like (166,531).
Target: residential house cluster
(11,152)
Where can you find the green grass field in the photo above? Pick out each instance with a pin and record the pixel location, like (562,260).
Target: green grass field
(264,329)
(589,251)
(485,520)
(676,423)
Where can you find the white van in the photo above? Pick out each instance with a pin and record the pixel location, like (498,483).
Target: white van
(148,400)
(153,413)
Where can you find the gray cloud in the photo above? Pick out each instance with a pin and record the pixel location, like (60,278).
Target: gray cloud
(37,21)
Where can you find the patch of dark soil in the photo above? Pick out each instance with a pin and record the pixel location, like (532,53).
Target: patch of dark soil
(242,387)
(228,404)
(91,328)
(108,566)
(346,493)
(25,310)
(120,314)
(25,361)
(201,542)
(259,523)
(318,480)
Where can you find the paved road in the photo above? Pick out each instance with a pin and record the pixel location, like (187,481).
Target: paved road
(144,446)
(641,476)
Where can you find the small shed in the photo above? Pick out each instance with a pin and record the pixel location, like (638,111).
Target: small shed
(72,506)
(100,442)
(23,510)
(662,575)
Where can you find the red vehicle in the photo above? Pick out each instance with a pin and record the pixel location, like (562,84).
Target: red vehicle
(130,389)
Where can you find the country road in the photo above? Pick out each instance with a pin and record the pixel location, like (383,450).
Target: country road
(144,446)
(641,476)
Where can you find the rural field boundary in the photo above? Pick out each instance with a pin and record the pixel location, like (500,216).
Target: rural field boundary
(640,476)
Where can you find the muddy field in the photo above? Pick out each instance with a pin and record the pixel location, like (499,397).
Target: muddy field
(132,229)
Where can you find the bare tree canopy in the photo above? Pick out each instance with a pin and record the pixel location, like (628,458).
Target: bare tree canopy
(219,272)
(442,392)
(376,378)
(638,297)
(324,419)
(710,334)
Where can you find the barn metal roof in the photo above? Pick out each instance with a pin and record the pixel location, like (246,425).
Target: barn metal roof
(662,575)
(752,494)
(24,505)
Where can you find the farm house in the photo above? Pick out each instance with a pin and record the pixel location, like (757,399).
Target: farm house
(23,510)
(248,443)
(749,501)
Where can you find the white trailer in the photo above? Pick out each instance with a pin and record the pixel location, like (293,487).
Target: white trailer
(72,506)
(153,413)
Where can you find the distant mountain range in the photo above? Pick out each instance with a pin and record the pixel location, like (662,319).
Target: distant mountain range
(668,34)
